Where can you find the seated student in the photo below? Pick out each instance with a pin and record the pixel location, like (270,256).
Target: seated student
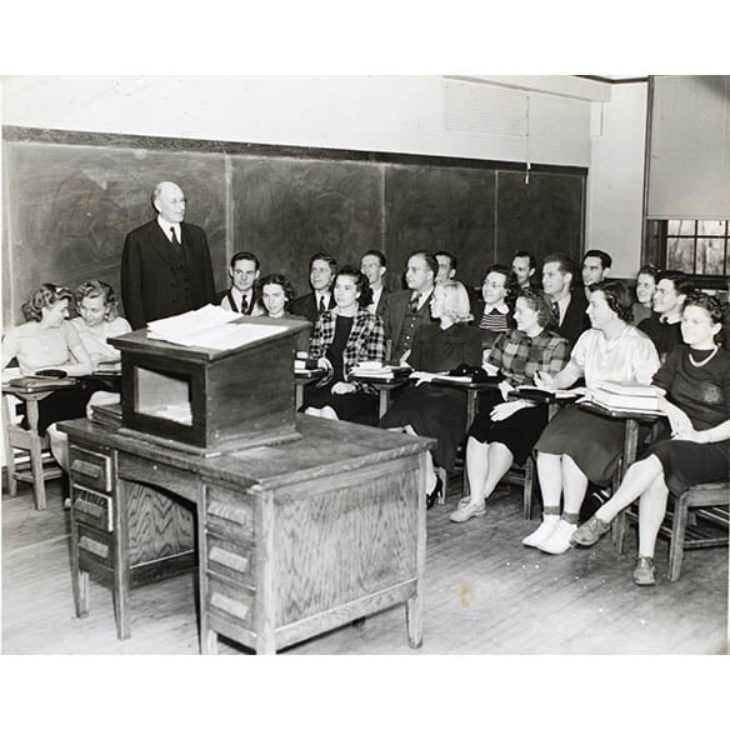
(596,264)
(568,304)
(432,410)
(374,265)
(524,266)
(322,270)
(578,445)
(244,271)
(447,272)
(507,432)
(696,382)
(671,289)
(276,296)
(496,316)
(645,288)
(47,340)
(343,337)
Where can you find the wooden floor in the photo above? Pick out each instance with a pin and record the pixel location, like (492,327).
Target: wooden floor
(485,594)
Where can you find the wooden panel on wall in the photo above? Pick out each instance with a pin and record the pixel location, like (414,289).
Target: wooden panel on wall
(285,210)
(434,208)
(69,207)
(544,216)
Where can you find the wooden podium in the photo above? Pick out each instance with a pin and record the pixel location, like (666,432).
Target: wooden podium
(211,401)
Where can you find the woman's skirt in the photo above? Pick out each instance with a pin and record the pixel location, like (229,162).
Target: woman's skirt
(595,443)
(64,405)
(518,433)
(357,407)
(435,411)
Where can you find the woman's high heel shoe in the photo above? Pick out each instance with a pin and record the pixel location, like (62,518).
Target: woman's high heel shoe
(438,490)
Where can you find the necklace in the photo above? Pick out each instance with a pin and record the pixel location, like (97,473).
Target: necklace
(704,362)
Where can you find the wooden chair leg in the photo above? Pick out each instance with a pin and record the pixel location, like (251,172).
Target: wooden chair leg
(444,477)
(618,531)
(9,460)
(676,543)
(36,463)
(527,487)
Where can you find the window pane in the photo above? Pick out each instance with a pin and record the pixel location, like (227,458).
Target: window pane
(680,254)
(681,228)
(710,228)
(710,256)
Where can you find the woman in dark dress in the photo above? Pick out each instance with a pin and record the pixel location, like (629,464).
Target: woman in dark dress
(695,380)
(433,410)
(506,431)
(342,338)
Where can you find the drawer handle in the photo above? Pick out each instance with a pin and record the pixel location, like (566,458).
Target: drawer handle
(98,548)
(89,508)
(229,605)
(229,559)
(228,512)
(83,467)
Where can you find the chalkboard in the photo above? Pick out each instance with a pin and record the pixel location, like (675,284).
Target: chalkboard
(71,197)
(441,208)
(69,207)
(286,210)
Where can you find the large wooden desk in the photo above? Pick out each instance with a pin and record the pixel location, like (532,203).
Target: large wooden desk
(293,539)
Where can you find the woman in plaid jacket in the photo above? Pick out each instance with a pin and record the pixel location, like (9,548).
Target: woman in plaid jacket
(342,338)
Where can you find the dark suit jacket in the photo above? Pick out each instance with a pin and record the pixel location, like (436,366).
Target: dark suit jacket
(576,320)
(381,302)
(221,295)
(149,285)
(306,306)
(394,314)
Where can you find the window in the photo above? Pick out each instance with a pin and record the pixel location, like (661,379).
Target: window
(697,247)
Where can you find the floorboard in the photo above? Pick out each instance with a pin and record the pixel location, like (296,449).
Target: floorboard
(485,594)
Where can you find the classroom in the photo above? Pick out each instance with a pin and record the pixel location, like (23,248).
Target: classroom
(294,169)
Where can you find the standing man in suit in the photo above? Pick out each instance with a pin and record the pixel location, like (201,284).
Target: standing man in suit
(406,310)
(569,306)
(596,264)
(166,266)
(322,269)
(374,266)
(244,271)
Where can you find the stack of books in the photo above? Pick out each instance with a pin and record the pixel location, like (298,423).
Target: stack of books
(379,371)
(639,398)
(109,415)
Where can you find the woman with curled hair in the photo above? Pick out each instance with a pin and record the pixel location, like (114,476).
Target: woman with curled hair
(47,340)
(694,383)
(98,320)
(646,281)
(506,430)
(343,337)
(275,293)
(577,445)
(432,410)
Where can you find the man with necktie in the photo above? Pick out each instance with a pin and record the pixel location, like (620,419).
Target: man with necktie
(166,267)
(569,305)
(322,270)
(244,271)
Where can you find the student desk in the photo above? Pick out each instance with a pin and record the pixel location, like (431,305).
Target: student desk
(293,539)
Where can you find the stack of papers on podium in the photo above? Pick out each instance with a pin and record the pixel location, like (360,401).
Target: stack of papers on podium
(209,327)
(643,398)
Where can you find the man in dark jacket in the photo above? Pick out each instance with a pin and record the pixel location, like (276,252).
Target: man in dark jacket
(166,267)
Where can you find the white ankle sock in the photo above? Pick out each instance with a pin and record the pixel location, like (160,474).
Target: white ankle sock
(559,540)
(548,524)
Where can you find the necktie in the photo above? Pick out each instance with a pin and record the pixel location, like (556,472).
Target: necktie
(321,305)
(174,237)
(244,304)
(556,312)
(414,304)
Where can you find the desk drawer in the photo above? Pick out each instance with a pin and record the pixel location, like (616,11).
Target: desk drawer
(234,603)
(229,513)
(92,508)
(90,468)
(231,560)
(99,546)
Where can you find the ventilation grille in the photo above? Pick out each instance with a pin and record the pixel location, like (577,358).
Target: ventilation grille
(483,109)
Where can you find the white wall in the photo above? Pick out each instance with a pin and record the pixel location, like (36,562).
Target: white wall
(616,177)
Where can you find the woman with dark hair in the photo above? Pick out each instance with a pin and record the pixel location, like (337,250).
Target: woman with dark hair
(47,340)
(96,304)
(343,337)
(577,446)
(695,383)
(506,431)
(646,281)
(434,410)
(276,294)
